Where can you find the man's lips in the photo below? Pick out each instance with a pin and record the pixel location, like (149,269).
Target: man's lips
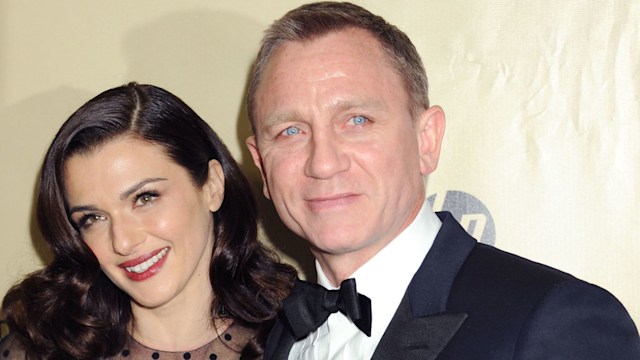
(322,202)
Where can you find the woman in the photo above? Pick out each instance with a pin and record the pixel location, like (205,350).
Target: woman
(153,228)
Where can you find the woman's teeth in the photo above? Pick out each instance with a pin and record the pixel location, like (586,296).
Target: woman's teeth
(142,267)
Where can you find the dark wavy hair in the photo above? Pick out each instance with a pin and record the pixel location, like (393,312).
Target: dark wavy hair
(70,309)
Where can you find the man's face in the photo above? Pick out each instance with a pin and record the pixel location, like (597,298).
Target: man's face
(340,155)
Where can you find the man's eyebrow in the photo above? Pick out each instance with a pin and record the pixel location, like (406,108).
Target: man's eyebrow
(344,105)
(274,120)
(335,106)
(137,186)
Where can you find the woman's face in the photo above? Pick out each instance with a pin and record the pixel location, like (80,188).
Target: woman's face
(144,219)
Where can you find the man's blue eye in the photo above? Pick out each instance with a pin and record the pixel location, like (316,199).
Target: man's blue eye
(359,120)
(291,131)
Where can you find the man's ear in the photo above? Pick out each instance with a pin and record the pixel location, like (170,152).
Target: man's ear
(214,186)
(257,159)
(430,131)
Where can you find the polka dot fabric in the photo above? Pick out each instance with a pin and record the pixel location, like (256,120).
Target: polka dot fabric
(227,346)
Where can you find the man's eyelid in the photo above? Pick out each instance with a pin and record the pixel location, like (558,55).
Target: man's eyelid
(286,129)
(280,131)
(275,130)
(274,125)
(352,118)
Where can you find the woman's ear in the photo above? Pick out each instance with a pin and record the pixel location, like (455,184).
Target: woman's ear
(214,186)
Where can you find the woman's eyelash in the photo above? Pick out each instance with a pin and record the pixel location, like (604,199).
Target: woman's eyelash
(87,220)
(146,197)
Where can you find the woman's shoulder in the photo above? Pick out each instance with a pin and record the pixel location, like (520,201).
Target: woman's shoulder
(11,348)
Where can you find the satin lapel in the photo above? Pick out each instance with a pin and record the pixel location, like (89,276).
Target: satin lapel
(419,338)
(284,347)
(430,287)
(421,327)
(279,342)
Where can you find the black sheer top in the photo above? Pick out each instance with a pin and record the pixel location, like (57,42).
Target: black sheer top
(227,346)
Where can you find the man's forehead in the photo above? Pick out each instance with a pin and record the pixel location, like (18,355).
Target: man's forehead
(334,47)
(338,68)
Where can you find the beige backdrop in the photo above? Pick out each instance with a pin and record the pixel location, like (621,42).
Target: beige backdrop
(542,150)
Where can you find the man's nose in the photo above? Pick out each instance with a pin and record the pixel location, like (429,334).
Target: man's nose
(327,156)
(126,234)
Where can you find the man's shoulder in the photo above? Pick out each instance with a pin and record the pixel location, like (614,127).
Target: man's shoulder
(507,269)
(515,305)
(487,270)
(494,281)
(493,284)
(492,277)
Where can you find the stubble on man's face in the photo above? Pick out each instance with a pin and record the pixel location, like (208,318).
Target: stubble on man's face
(337,146)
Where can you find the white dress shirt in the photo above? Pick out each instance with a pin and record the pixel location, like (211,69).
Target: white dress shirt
(383,279)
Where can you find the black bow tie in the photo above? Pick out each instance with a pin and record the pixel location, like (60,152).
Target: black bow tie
(309,305)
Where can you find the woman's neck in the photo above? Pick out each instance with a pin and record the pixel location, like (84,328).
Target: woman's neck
(184,324)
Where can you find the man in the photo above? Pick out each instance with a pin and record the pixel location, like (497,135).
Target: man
(344,136)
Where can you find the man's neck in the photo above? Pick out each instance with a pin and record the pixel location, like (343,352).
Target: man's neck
(339,267)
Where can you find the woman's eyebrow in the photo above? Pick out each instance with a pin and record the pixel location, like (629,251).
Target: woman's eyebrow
(137,186)
(82,208)
(132,189)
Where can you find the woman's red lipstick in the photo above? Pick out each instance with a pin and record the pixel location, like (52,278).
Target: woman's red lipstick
(145,266)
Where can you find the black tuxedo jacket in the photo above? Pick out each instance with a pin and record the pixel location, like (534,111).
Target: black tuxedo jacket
(473,301)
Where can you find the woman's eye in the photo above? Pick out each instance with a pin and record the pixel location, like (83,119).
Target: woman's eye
(88,220)
(291,130)
(146,198)
(359,120)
